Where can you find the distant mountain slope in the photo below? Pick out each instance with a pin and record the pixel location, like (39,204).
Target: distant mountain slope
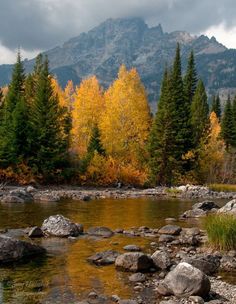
(130,41)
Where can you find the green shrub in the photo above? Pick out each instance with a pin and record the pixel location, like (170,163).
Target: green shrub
(221,231)
(222,187)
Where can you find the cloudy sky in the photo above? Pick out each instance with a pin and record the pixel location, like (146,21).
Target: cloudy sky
(37,25)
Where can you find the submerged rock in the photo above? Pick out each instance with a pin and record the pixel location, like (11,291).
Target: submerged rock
(103,232)
(104,258)
(12,250)
(134,262)
(186,280)
(58,225)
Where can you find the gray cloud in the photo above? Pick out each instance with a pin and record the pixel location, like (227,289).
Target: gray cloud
(41,24)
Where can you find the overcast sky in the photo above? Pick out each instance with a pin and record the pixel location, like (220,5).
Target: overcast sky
(37,25)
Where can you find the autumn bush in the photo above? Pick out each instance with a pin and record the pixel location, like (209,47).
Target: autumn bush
(107,171)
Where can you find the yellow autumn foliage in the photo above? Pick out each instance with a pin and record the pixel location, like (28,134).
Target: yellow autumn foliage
(212,156)
(126,120)
(86,113)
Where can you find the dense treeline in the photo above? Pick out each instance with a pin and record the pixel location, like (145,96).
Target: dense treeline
(90,136)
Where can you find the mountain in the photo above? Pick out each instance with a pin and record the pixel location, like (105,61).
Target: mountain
(130,41)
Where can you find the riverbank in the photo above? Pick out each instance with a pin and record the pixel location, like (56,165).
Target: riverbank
(57,193)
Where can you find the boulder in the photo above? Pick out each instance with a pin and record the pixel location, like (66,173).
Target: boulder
(194,213)
(17,196)
(170,230)
(132,248)
(12,250)
(35,232)
(209,264)
(228,263)
(186,280)
(60,226)
(134,262)
(12,199)
(161,260)
(104,258)
(103,232)
(137,277)
(229,208)
(205,206)
(166,238)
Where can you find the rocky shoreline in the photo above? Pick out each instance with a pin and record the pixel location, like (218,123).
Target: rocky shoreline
(57,193)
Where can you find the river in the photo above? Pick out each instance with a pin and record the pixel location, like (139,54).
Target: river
(64,275)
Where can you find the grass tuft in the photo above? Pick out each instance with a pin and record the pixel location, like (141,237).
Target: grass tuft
(221,231)
(222,187)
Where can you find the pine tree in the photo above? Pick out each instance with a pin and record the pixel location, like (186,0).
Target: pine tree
(216,105)
(228,128)
(234,110)
(162,141)
(1,97)
(199,113)
(9,149)
(95,144)
(49,147)
(190,79)
(182,117)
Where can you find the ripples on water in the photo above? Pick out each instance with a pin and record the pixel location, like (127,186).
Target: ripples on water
(64,276)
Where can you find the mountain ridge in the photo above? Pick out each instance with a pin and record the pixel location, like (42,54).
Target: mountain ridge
(132,42)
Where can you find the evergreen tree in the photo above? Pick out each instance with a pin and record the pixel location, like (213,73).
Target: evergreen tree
(9,152)
(190,79)
(50,143)
(234,110)
(182,117)
(95,144)
(199,113)
(162,140)
(228,128)
(1,97)
(216,105)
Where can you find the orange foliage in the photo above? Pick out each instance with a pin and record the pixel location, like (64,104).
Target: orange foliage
(105,171)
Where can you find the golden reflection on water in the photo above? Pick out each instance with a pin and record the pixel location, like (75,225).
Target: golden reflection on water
(65,275)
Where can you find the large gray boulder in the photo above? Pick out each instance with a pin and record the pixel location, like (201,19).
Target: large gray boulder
(60,226)
(186,280)
(229,208)
(134,262)
(12,250)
